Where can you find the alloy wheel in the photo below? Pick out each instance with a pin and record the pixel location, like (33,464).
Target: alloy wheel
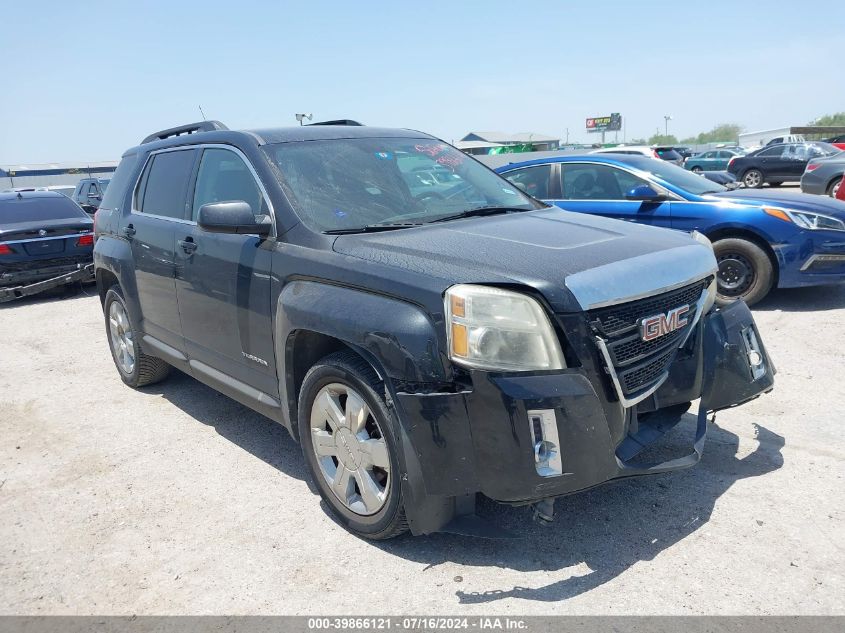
(752,178)
(350,448)
(120,334)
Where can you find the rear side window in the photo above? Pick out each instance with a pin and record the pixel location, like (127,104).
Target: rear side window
(532,180)
(224,177)
(114,194)
(38,209)
(162,189)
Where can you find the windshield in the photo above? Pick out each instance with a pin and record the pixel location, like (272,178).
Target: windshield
(347,184)
(679,177)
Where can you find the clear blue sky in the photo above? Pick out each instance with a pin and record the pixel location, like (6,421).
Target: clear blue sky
(85,81)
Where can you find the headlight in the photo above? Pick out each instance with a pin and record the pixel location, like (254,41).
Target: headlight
(490,328)
(806,219)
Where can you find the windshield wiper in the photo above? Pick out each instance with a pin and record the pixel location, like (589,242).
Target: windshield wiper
(373,228)
(479,212)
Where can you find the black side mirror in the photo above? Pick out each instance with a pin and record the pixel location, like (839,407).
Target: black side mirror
(232,217)
(644,193)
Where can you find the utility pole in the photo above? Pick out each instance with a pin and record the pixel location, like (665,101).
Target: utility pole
(666,119)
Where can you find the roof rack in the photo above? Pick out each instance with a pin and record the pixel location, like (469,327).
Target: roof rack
(338,122)
(190,128)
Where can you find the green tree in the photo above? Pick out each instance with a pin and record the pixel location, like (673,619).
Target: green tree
(662,139)
(722,133)
(829,120)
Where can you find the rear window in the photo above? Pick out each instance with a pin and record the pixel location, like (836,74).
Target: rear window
(38,209)
(667,153)
(114,194)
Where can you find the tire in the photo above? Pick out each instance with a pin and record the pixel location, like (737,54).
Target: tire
(752,178)
(334,384)
(775,184)
(745,271)
(696,170)
(833,187)
(144,369)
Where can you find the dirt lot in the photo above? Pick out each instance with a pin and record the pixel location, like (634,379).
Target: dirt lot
(177,500)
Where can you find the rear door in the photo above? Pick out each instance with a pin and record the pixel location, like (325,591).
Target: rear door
(223,281)
(600,189)
(158,210)
(774,162)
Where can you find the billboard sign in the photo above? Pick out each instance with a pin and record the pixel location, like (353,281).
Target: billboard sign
(612,123)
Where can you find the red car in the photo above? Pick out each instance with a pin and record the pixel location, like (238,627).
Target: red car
(839,194)
(838,141)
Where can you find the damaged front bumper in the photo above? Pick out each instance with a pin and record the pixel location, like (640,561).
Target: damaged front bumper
(486,439)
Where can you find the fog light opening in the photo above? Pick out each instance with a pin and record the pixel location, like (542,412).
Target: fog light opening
(753,353)
(545,442)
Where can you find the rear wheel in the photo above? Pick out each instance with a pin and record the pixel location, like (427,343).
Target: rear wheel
(347,438)
(745,271)
(752,178)
(136,369)
(833,187)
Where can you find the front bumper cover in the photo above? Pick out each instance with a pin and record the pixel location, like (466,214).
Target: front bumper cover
(457,444)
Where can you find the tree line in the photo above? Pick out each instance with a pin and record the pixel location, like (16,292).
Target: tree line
(725,133)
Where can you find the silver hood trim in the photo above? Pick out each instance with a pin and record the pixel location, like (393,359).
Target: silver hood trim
(641,276)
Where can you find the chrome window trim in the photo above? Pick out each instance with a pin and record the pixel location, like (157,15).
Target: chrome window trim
(201,146)
(44,239)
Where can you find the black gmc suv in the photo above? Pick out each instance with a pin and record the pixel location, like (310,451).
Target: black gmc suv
(425,340)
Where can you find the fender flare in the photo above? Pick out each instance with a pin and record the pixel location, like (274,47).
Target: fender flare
(398,338)
(115,256)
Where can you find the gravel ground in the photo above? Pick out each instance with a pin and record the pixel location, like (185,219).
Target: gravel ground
(177,500)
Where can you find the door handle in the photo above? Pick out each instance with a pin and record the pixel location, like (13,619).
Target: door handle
(188,245)
(129,231)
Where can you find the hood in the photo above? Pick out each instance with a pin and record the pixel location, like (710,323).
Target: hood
(798,201)
(576,261)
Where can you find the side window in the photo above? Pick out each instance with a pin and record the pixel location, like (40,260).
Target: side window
(224,177)
(596,182)
(92,189)
(162,189)
(708,155)
(774,151)
(532,180)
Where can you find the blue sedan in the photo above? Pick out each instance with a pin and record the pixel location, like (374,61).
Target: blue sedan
(762,239)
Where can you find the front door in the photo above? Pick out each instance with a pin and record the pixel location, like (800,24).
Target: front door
(223,281)
(158,209)
(600,189)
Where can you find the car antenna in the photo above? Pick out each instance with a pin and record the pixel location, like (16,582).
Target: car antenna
(202,113)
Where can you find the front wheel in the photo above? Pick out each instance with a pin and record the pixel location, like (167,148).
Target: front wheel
(833,187)
(745,271)
(347,438)
(696,170)
(753,178)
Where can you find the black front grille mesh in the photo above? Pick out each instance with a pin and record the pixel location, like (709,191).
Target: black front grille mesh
(615,320)
(638,363)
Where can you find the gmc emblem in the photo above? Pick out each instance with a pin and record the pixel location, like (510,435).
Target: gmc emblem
(661,324)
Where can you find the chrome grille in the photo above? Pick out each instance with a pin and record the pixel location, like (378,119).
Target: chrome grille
(637,364)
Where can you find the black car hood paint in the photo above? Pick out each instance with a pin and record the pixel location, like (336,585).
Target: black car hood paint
(543,249)
(798,201)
